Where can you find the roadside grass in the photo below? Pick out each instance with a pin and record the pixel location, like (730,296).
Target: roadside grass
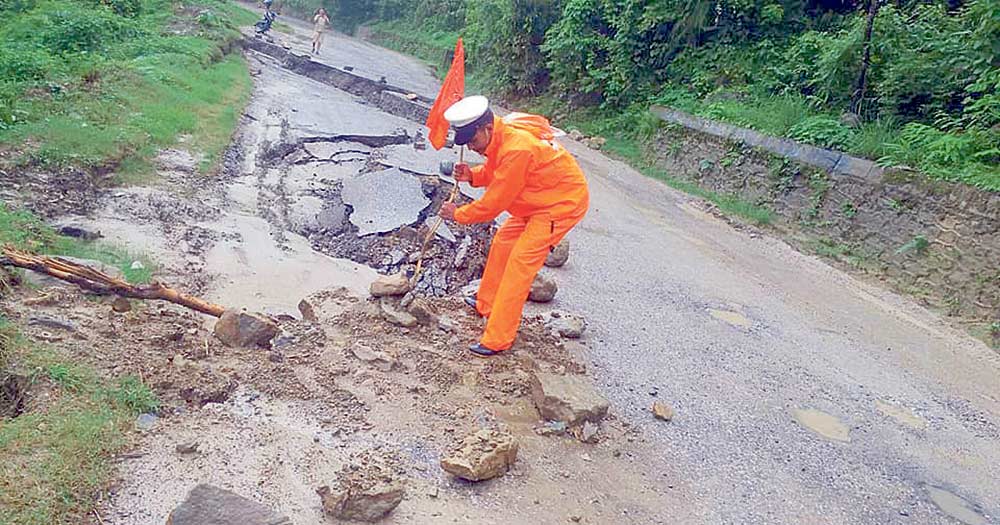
(969,158)
(110,104)
(25,231)
(55,459)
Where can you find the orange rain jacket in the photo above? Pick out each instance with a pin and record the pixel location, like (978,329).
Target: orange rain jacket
(526,175)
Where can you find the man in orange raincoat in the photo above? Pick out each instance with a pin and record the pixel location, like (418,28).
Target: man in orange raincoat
(534,179)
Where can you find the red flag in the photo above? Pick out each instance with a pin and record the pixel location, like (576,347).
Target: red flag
(452,90)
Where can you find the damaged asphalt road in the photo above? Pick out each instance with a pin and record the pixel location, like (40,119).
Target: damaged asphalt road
(800,394)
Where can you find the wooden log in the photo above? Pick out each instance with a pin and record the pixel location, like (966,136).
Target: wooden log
(90,279)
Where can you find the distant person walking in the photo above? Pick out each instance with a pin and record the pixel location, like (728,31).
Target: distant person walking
(320,21)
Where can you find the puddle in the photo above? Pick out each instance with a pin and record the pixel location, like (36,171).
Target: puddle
(733,318)
(955,506)
(823,424)
(901,414)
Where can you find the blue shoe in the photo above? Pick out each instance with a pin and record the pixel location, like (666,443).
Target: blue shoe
(481,351)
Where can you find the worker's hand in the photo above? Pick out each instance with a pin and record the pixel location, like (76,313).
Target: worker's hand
(462,172)
(447,211)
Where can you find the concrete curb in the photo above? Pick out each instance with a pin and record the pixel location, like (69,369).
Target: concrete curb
(391,99)
(829,160)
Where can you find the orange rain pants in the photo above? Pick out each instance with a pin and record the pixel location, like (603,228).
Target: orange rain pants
(540,184)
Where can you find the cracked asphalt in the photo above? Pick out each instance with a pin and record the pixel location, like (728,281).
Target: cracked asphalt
(803,395)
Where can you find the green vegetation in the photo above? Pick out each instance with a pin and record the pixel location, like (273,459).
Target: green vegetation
(25,231)
(55,460)
(927,97)
(104,84)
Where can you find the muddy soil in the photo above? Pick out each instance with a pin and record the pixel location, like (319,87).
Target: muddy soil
(277,424)
(271,229)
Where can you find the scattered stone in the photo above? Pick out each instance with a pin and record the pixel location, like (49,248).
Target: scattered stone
(391,313)
(79,231)
(570,326)
(419,309)
(575,134)
(390,285)
(483,455)
(308,312)
(350,502)
(471,289)
(207,504)
(571,399)
(121,304)
(543,289)
(662,411)
(52,322)
(380,360)
(588,433)
(443,231)
(463,252)
(187,448)
(145,421)
(413,258)
(283,340)
(407,300)
(559,255)
(246,330)
(551,428)
(445,324)
(575,519)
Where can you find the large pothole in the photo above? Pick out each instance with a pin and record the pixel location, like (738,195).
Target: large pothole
(372,200)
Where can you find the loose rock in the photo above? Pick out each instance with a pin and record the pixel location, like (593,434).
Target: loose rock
(145,421)
(419,309)
(308,312)
(588,433)
(662,411)
(551,428)
(571,399)
(559,255)
(52,322)
(390,285)
(396,316)
(349,502)
(79,231)
(121,304)
(187,448)
(543,289)
(567,325)
(483,455)
(380,360)
(207,504)
(575,134)
(242,329)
